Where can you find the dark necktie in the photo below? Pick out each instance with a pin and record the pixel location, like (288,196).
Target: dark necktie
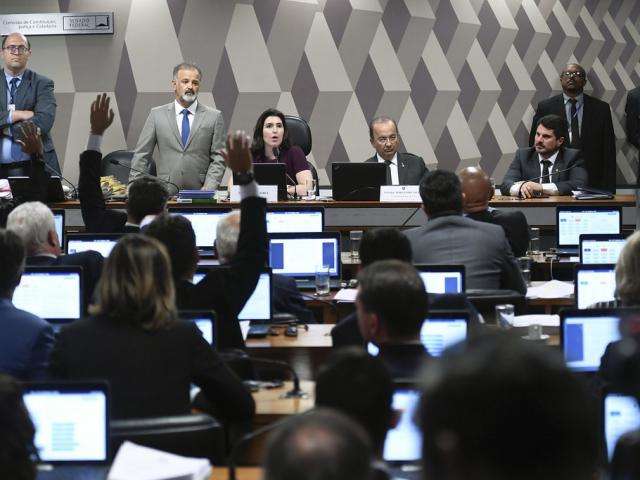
(185,127)
(388,164)
(12,91)
(575,127)
(545,171)
(16,150)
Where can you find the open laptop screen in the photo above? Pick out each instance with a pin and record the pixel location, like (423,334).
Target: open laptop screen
(585,335)
(404,441)
(439,332)
(71,421)
(594,283)
(575,221)
(82,242)
(601,249)
(204,224)
(298,255)
(58,219)
(442,278)
(621,415)
(204,320)
(50,292)
(295,220)
(258,307)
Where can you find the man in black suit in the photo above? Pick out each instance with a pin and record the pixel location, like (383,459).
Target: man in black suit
(146,195)
(545,160)
(590,126)
(402,168)
(632,111)
(477,191)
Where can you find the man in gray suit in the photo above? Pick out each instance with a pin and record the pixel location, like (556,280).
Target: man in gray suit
(402,168)
(448,238)
(188,136)
(547,168)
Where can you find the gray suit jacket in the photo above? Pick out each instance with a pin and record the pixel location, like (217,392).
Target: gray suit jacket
(189,167)
(481,247)
(411,168)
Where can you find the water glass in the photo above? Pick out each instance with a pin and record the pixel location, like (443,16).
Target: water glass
(311,189)
(355,237)
(323,277)
(534,242)
(504,315)
(524,263)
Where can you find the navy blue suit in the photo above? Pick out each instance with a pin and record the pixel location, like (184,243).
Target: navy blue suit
(25,343)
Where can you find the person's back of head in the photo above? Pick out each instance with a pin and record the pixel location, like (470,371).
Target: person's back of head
(384,244)
(318,445)
(477,189)
(12,255)
(16,433)
(34,223)
(227,234)
(391,302)
(147,196)
(176,233)
(359,385)
(628,272)
(441,193)
(499,408)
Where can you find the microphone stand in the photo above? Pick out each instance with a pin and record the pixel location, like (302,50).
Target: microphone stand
(276,153)
(113,161)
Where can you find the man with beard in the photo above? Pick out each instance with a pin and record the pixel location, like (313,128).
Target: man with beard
(188,136)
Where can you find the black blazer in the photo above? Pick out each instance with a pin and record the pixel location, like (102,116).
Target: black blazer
(149,372)
(598,141)
(514,224)
(411,168)
(632,111)
(525,165)
(228,288)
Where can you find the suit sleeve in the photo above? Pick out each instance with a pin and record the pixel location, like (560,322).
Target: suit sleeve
(217,166)
(632,111)
(511,277)
(45,109)
(514,174)
(609,149)
(578,176)
(40,353)
(143,154)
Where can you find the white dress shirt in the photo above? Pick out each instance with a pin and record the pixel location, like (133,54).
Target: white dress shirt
(547,188)
(192,112)
(393,166)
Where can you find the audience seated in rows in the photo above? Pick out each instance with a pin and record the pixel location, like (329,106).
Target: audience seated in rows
(449,238)
(26,340)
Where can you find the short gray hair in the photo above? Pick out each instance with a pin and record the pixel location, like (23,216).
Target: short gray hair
(227,234)
(186,66)
(628,272)
(32,221)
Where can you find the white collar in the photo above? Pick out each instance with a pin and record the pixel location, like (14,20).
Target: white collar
(179,108)
(552,158)
(394,160)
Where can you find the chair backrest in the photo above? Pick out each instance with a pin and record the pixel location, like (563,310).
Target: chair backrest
(190,435)
(299,133)
(118,171)
(485,301)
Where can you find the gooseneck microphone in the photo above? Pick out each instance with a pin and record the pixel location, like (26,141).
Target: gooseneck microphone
(75,190)
(119,163)
(551,174)
(276,153)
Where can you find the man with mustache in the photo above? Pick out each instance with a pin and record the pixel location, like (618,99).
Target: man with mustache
(188,135)
(560,170)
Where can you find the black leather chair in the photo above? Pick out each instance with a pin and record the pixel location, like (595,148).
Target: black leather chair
(190,435)
(300,135)
(118,171)
(485,301)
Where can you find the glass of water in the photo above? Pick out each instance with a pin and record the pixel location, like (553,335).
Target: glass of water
(355,237)
(525,267)
(504,315)
(323,285)
(534,242)
(311,189)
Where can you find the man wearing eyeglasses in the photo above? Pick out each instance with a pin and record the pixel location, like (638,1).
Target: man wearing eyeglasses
(25,96)
(589,124)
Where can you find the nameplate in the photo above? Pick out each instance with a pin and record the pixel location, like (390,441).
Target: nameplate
(400,193)
(268,192)
(71,23)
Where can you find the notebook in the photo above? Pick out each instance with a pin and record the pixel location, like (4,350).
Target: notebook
(442,278)
(573,221)
(601,248)
(594,283)
(102,243)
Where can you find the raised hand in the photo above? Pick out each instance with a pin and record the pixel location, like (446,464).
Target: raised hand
(30,142)
(237,155)
(101,116)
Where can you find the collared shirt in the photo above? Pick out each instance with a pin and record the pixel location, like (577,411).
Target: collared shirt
(393,167)
(579,111)
(7,140)
(548,188)
(192,113)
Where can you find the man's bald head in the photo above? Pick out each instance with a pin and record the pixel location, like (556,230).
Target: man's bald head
(477,189)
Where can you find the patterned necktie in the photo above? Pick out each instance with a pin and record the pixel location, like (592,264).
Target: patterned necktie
(12,91)
(545,171)
(185,127)
(16,150)
(575,127)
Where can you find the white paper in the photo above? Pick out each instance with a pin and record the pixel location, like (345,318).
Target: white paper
(346,295)
(544,320)
(268,192)
(135,462)
(552,289)
(400,193)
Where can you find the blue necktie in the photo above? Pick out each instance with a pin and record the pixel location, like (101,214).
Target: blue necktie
(16,150)
(12,91)
(185,127)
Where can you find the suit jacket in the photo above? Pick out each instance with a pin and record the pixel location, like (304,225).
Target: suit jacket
(35,93)
(598,141)
(514,224)
(142,365)
(404,360)
(228,288)
(25,343)
(191,166)
(525,165)
(632,111)
(411,168)
(481,247)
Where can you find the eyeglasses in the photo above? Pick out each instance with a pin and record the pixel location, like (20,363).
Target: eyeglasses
(383,140)
(21,49)
(572,74)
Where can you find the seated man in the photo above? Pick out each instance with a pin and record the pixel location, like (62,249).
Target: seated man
(146,195)
(547,168)
(476,193)
(501,408)
(391,306)
(402,168)
(26,340)
(318,445)
(448,238)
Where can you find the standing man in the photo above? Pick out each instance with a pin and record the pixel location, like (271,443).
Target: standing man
(590,126)
(25,96)
(632,111)
(188,136)
(402,168)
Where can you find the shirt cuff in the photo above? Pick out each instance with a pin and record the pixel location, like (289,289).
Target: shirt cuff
(515,189)
(94,142)
(10,117)
(550,188)
(248,190)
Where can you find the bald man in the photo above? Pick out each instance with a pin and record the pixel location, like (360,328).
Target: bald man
(477,191)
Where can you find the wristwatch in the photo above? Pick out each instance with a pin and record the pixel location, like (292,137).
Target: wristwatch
(244,178)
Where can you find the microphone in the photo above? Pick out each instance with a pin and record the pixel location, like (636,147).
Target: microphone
(119,163)
(276,153)
(296,391)
(539,177)
(75,190)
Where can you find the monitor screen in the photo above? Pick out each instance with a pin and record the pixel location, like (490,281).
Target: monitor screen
(258,307)
(442,282)
(592,286)
(404,442)
(100,245)
(585,338)
(58,219)
(50,294)
(621,415)
(574,222)
(204,225)
(299,257)
(437,334)
(601,251)
(205,326)
(71,426)
(279,221)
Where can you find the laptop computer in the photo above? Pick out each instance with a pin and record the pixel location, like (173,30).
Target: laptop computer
(573,221)
(298,255)
(403,443)
(258,307)
(442,278)
(71,421)
(620,414)
(358,181)
(59,221)
(205,320)
(21,187)
(52,293)
(102,243)
(594,283)
(443,329)
(305,219)
(204,223)
(271,174)
(601,248)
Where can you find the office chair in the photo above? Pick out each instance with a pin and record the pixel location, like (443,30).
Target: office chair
(120,172)
(485,301)
(300,135)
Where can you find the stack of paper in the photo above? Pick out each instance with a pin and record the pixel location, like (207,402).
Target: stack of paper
(346,295)
(544,320)
(134,462)
(552,289)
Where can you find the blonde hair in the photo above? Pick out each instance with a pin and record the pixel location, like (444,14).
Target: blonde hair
(628,272)
(136,286)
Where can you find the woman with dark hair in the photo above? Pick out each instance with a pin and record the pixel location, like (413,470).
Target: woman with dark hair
(16,433)
(136,342)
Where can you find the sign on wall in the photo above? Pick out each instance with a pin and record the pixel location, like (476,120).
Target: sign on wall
(79,23)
